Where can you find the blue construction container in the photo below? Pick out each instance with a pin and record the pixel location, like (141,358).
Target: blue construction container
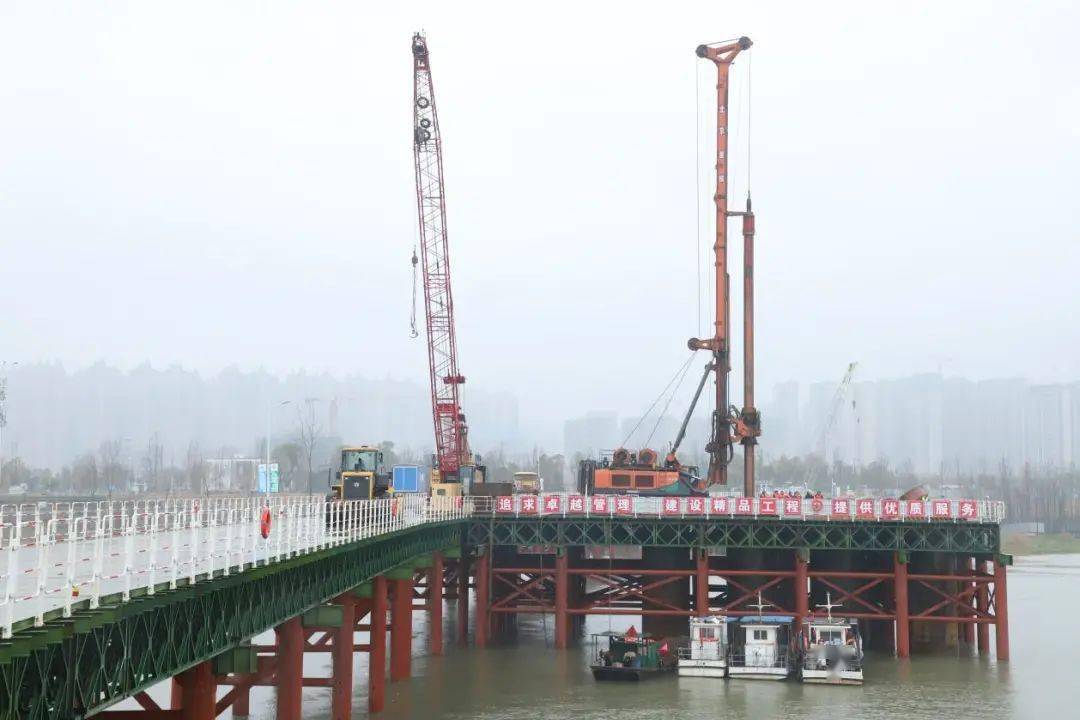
(408,479)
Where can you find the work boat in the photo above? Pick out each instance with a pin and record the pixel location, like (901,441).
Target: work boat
(762,646)
(834,652)
(706,655)
(629,656)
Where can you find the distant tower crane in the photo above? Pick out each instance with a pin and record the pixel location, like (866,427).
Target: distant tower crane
(453,465)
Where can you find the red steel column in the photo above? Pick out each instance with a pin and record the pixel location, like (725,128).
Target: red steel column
(195,692)
(982,601)
(435,603)
(562,590)
(802,597)
(903,626)
(969,628)
(342,656)
(401,630)
(701,584)
(290,669)
(377,657)
(483,565)
(1001,601)
(463,600)
(176,693)
(241,709)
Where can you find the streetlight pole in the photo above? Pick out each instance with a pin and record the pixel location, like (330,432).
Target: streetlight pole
(269,410)
(3,412)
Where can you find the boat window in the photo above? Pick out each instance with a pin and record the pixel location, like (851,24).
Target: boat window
(761,634)
(707,633)
(644,481)
(620,481)
(831,636)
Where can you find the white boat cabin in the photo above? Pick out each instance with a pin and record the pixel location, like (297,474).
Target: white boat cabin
(706,655)
(833,652)
(761,647)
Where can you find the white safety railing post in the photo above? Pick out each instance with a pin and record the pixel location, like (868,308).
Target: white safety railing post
(69,571)
(128,528)
(44,541)
(151,576)
(211,547)
(174,542)
(230,521)
(99,555)
(14,541)
(196,527)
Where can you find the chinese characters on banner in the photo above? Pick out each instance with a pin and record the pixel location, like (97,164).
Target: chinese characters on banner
(528,504)
(696,505)
(671,506)
(576,504)
(940,508)
(552,504)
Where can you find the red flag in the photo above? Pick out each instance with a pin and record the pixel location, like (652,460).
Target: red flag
(632,632)
(663,650)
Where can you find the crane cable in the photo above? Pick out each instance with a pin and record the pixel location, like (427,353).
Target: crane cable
(659,417)
(680,372)
(412,318)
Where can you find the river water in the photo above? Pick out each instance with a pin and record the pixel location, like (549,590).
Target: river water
(530,680)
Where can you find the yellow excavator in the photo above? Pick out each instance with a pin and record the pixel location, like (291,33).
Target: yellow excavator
(362,475)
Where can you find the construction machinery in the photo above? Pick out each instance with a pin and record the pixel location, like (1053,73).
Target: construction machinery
(641,472)
(361,474)
(454,469)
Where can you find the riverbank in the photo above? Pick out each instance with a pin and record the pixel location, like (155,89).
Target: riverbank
(1055,544)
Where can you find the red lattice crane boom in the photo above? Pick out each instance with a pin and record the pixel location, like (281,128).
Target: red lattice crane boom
(451,433)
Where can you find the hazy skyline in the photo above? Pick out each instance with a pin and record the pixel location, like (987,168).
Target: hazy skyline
(239,191)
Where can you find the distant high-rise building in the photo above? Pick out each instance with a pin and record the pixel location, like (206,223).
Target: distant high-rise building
(590,434)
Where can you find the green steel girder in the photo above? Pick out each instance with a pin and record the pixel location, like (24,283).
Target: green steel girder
(966,538)
(77,666)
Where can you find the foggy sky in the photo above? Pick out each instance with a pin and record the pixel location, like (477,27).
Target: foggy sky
(216,184)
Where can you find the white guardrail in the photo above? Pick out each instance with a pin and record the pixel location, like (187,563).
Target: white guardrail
(53,555)
(831,509)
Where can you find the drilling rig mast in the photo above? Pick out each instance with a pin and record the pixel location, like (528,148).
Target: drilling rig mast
(453,460)
(729,424)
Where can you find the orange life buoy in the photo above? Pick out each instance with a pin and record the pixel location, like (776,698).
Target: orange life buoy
(264,523)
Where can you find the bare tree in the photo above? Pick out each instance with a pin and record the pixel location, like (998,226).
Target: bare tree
(196,469)
(109,453)
(84,475)
(310,429)
(154,462)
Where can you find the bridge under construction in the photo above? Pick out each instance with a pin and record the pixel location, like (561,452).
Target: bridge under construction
(105,600)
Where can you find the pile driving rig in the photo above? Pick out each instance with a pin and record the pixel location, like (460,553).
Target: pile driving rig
(641,473)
